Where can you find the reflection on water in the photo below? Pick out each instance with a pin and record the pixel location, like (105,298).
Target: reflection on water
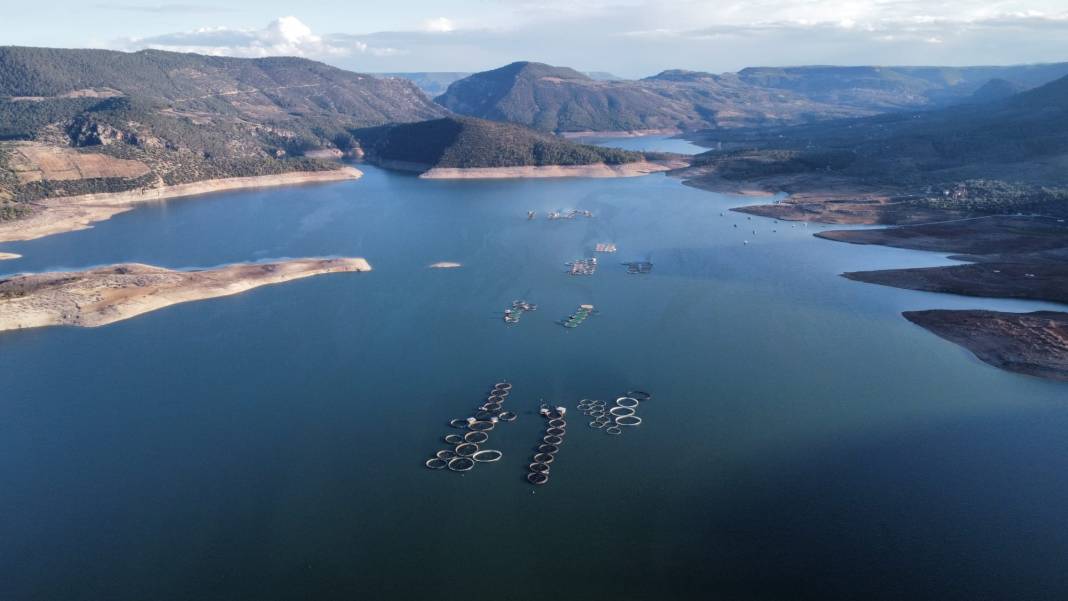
(804,441)
(647,143)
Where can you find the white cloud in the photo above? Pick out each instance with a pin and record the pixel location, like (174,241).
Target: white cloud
(641,37)
(285,36)
(438,25)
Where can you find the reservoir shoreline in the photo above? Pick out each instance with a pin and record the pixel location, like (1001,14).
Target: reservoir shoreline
(72,213)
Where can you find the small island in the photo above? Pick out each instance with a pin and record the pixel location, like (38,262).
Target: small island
(470,148)
(104,295)
(9,256)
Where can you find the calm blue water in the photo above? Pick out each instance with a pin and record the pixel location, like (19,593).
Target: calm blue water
(648,143)
(804,442)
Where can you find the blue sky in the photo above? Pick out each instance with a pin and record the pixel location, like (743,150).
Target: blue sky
(626,37)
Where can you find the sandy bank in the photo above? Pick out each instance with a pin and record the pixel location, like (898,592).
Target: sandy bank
(104,295)
(9,256)
(445,265)
(595,170)
(1029,343)
(71,213)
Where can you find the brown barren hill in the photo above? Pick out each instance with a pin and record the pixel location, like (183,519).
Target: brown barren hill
(1028,343)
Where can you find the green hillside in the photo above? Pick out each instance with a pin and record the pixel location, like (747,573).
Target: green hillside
(186,116)
(465,142)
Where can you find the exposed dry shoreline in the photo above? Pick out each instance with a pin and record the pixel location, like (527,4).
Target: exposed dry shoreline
(104,295)
(1029,343)
(1043,281)
(634,169)
(1013,257)
(71,213)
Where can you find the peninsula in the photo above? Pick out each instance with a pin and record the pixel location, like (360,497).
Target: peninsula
(104,295)
(983,181)
(470,148)
(1035,343)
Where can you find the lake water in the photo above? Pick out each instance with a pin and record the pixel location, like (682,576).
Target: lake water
(647,143)
(804,440)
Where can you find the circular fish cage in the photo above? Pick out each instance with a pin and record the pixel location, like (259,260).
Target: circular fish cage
(461,464)
(628,420)
(621,411)
(492,407)
(627,401)
(597,424)
(454,439)
(506,416)
(480,426)
(539,467)
(597,413)
(537,478)
(466,449)
(551,449)
(476,437)
(545,458)
(458,423)
(613,430)
(640,395)
(487,456)
(557,423)
(483,415)
(506,386)
(436,463)
(553,440)
(556,431)
(445,454)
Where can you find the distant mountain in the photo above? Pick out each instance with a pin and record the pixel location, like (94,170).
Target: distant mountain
(177,118)
(682,75)
(275,89)
(1007,155)
(560,99)
(432,83)
(466,143)
(995,89)
(881,89)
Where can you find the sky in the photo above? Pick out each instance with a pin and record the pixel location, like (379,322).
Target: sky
(629,38)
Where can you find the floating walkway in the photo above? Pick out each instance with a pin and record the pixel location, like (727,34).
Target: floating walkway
(569,214)
(555,430)
(578,317)
(582,266)
(467,450)
(638,267)
(518,308)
